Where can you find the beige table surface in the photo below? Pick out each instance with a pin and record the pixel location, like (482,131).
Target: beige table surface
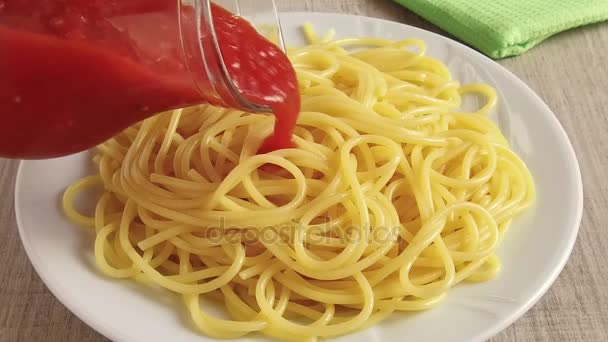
(569,72)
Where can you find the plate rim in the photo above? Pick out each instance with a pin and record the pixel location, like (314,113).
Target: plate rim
(114,335)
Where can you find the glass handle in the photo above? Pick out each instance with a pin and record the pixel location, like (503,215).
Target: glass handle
(263,15)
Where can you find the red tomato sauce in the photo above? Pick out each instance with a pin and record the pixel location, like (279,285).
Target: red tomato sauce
(75,72)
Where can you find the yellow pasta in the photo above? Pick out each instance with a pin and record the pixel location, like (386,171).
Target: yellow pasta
(392,196)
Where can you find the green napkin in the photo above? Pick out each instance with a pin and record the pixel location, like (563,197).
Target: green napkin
(501,28)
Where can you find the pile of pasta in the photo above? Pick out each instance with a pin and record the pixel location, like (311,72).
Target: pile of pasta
(391,196)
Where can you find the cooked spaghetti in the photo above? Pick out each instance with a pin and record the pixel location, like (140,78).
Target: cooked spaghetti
(392,196)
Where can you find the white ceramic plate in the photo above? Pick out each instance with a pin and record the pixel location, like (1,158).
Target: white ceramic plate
(533,253)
